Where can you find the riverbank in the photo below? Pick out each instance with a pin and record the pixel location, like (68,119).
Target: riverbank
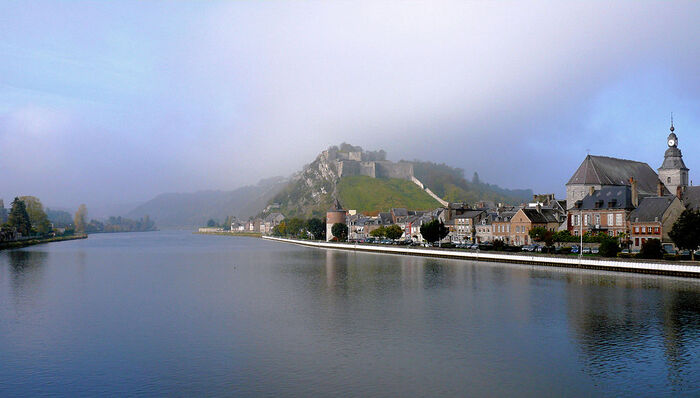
(31,242)
(685,269)
(246,234)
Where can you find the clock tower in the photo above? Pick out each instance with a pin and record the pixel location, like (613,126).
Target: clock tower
(673,172)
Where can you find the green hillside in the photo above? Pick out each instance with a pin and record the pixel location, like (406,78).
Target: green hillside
(366,194)
(449,184)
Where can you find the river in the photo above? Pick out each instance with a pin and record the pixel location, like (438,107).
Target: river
(172,313)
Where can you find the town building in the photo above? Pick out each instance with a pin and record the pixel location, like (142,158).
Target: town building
(500,226)
(605,210)
(598,172)
(653,219)
(528,218)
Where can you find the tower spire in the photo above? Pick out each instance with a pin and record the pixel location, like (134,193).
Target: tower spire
(672,128)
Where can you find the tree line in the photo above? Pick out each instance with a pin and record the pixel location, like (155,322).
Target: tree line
(28,218)
(313,228)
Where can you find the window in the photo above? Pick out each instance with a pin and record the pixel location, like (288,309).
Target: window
(644,230)
(586,219)
(636,230)
(611,219)
(597,219)
(668,180)
(618,219)
(656,230)
(636,241)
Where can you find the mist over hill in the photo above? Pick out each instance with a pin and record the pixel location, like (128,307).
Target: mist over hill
(187,210)
(361,180)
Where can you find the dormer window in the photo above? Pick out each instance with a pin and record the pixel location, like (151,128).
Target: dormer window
(578,204)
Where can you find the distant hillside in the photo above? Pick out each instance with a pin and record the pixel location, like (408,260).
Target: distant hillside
(366,194)
(449,183)
(186,210)
(311,192)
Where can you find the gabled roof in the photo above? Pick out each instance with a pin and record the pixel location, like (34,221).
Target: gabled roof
(619,197)
(542,216)
(651,208)
(691,198)
(603,171)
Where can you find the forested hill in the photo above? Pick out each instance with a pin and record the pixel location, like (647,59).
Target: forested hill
(186,210)
(450,184)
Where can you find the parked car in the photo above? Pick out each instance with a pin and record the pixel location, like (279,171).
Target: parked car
(528,248)
(474,246)
(586,250)
(595,250)
(574,249)
(625,251)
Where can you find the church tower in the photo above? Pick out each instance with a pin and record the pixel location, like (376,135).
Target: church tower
(673,172)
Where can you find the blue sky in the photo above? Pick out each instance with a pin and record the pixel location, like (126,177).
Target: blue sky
(115,102)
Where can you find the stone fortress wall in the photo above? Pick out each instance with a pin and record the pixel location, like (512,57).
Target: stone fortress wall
(358,164)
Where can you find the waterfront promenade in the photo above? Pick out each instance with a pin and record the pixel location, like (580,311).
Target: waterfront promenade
(684,269)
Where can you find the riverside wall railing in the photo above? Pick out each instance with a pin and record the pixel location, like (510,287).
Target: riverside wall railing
(644,267)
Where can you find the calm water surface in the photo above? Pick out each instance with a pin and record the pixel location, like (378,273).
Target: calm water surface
(171,313)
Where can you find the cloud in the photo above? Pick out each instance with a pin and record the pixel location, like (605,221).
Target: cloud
(192,96)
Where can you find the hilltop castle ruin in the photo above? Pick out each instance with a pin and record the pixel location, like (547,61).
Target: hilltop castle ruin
(353,161)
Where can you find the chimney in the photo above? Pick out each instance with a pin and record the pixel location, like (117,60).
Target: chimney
(679,192)
(591,189)
(635,198)
(659,188)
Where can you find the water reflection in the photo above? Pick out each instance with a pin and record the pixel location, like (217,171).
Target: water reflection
(620,320)
(26,270)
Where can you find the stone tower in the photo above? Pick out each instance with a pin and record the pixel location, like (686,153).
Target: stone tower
(673,172)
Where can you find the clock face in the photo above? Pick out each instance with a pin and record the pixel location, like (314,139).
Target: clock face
(671,142)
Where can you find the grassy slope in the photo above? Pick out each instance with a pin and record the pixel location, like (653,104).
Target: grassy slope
(363,193)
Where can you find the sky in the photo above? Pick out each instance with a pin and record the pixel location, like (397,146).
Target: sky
(112,103)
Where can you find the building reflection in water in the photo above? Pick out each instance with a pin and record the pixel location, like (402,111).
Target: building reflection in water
(624,318)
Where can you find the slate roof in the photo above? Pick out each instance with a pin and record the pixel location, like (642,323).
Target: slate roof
(673,159)
(651,208)
(603,170)
(691,198)
(386,218)
(470,214)
(399,212)
(542,216)
(619,197)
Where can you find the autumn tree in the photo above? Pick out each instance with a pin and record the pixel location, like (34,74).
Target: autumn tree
(80,219)
(542,234)
(37,216)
